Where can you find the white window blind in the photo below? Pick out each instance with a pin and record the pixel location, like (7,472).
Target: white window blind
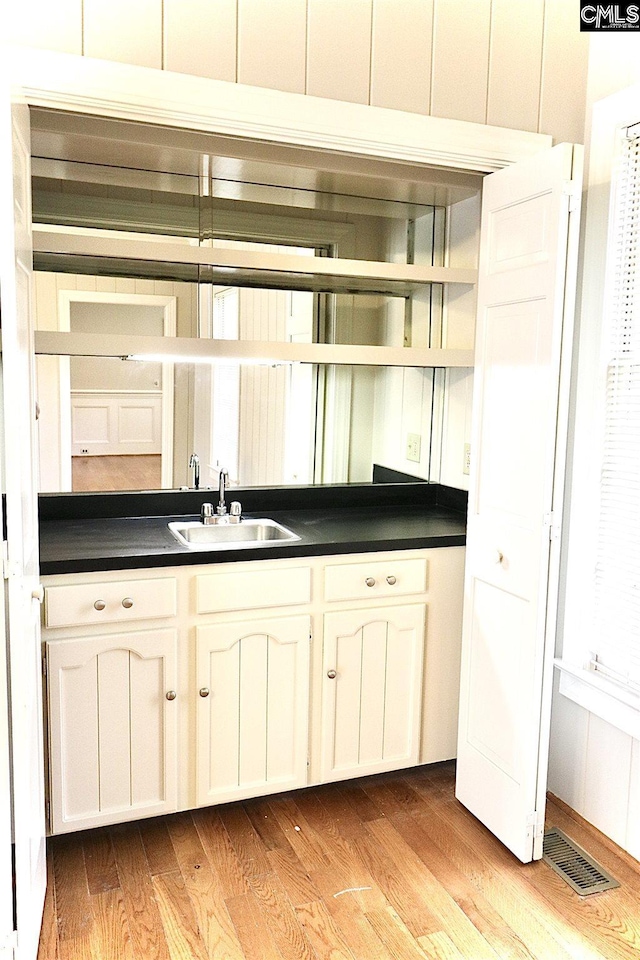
(616,650)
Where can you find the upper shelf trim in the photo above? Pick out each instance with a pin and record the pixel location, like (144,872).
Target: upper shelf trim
(257,261)
(60,343)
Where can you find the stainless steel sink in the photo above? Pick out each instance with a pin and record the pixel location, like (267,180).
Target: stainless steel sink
(230,536)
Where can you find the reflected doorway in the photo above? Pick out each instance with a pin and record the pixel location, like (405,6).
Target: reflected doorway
(116,416)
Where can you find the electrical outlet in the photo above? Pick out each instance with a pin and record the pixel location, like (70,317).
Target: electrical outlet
(413,447)
(466,468)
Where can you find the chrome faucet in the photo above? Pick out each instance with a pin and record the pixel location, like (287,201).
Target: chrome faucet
(223,479)
(194,464)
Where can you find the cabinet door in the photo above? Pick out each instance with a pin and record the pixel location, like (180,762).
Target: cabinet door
(372,682)
(112,728)
(520,411)
(253,707)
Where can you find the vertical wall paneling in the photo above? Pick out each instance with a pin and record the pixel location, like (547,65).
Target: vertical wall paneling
(200,37)
(124,31)
(272,44)
(460,60)
(515,63)
(607,771)
(632,843)
(568,749)
(339,49)
(564,73)
(57,26)
(401,54)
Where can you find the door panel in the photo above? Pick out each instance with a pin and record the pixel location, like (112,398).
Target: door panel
(372,678)
(507,636)
(113,731)
(22,618)
(252,707)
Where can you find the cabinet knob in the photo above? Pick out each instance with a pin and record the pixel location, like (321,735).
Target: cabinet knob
(171,694)
(370,581)
(332,674)
(498,556)
(127,603)
(38,593)
(391,580)
(204,691)
(99,605)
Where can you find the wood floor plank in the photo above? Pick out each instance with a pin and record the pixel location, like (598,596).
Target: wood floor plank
(450,917)
(437,885)
(145,924)
(438,946)
(349,915)
(474,905)
(157,844)
(251,928)
(265,824)
(220,852)
(299,833)
(110,936)
(502,879)
(100,861)
(321,932)
(48,946)
(244,839)
(205,890)
(73,905)
(280,918)
(406,898)
(294,878)
(178,919)
(395,935)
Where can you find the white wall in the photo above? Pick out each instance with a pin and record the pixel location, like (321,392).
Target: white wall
(512,63)
(593,766)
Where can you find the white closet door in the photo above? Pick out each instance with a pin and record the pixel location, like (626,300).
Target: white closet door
(509,619)
(22,619)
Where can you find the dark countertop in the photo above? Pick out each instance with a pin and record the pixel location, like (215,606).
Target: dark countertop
(112,543)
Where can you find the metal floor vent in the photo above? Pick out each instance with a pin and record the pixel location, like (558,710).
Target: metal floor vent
(574,864)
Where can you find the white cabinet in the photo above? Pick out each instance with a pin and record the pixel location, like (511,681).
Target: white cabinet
(372,687)
(249,649)
(112,726)
(253,707)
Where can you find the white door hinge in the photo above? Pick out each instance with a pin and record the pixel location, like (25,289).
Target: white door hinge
(9,568)
(9,944)
(553,527)
(535,825)
(573,190)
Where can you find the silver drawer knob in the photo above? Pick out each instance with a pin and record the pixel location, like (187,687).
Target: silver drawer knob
(99,605)
(391,580)
(370,582)
(204,691)
(127,603)
(171,694)
(332,674)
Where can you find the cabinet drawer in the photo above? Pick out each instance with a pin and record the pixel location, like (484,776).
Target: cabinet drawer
(249,589)
(81,604)
(383,578)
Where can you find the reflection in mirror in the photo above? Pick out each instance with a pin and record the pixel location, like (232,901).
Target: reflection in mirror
(110,424)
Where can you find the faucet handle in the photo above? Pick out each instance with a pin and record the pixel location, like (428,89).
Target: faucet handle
(235,508)
(206,512)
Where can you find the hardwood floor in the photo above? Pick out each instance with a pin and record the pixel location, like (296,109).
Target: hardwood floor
(385,868)
(116,473)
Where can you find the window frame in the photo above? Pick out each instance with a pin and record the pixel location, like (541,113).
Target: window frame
(609,700)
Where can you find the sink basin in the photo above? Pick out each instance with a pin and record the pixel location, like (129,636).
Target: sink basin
(230,536)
